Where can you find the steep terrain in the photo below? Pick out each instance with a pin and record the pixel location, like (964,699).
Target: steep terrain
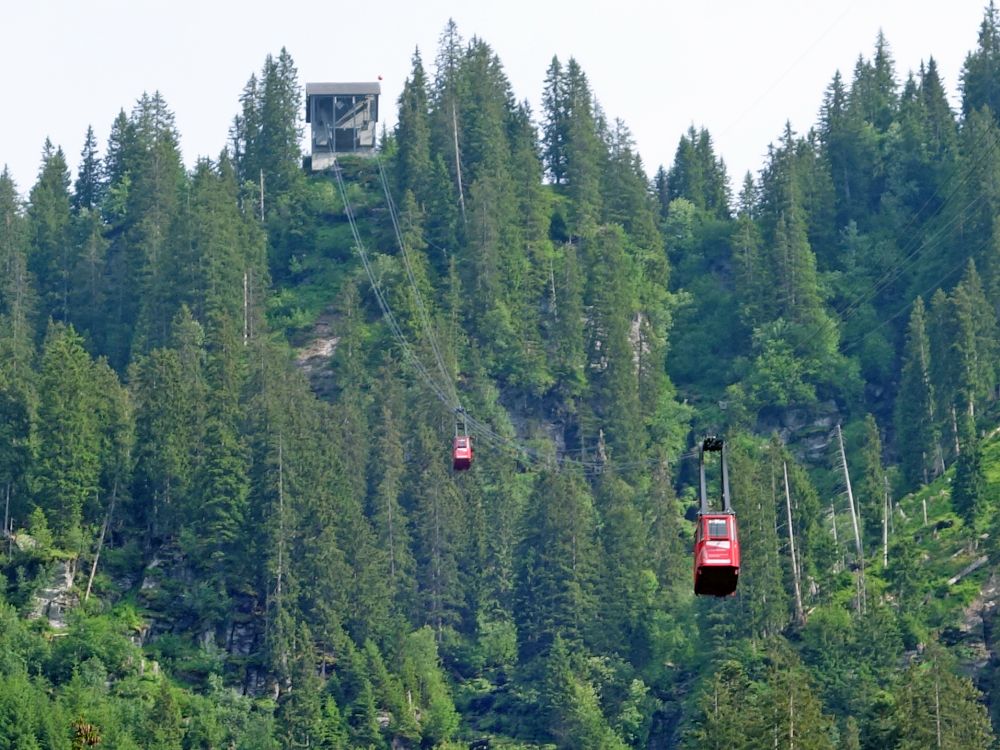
(225,431)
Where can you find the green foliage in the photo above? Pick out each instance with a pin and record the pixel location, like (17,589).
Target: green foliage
(68,466)
(280,555)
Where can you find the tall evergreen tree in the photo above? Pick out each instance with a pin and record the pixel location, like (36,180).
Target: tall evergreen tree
(980,76)
(916,424)
(280,128)
(67,469)
(554,596)
(51,258)
(936,708)
(968,490)
(413,159)
(88,190)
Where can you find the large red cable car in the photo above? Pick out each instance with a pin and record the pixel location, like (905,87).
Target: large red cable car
(716,540)
(461,449)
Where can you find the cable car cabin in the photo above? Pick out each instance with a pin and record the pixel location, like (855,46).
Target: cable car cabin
(716,542)
(716,555)
(461,454)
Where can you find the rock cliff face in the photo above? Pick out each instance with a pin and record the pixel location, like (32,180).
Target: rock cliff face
(313,359)
(57,597)
(807,432)
(167,585)
(978,637)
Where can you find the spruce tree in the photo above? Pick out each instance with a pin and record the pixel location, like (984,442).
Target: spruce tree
(88,190)
(555,595)
(413,158)
(280,129)
(916,424)
(67,468)
(872,488)
(937,708)
(968,490)
(51,259)
(980,76)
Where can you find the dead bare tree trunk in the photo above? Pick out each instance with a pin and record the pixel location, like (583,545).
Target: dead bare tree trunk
(262,195)
(937,707)
(854,521)
(100,541)
(799,613)
(791,718)
(458,161)
(836,538)
(246,300)
(281,524)
(885,527)
(954,431)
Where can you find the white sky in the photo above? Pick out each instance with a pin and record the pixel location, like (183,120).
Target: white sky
(738,67)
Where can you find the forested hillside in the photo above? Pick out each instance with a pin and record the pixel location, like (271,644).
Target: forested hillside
(230,519)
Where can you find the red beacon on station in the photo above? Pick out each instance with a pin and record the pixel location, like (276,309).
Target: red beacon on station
(461,449)
(716,541)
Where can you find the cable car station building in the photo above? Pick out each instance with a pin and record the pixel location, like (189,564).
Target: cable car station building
(342,119)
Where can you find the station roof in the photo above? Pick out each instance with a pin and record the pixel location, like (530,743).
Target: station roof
(327,89)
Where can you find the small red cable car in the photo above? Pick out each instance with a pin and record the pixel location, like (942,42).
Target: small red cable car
(461,454)
(716,540)
(461,448)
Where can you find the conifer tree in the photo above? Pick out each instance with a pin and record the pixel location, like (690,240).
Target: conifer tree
(980,76)
(245,134)
(17,289)
(916,424)
(936,708)
(169,389)
(975,344)
(389,519)
(280,130)
(567,338)
(873,91)
(88,284)
(968,490)
(788,713)
(88,190)
(554,594)
(698,175)
(437,531)
(584,152)
(67,468)
(300,708)
(945,369)
(611,355)
(423,676)
(627,581)
(872,488)
(720,719)
(17,392)
(575,719)
(982,189)
(554,135)
(413,159)
(51,258)
(756,489)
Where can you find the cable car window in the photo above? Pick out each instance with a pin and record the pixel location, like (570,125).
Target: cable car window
(717,528)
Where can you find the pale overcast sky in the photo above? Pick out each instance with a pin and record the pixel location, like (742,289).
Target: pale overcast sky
(741,68)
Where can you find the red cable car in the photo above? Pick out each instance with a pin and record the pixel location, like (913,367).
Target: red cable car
(716,541)
(461,454)
(461,449)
